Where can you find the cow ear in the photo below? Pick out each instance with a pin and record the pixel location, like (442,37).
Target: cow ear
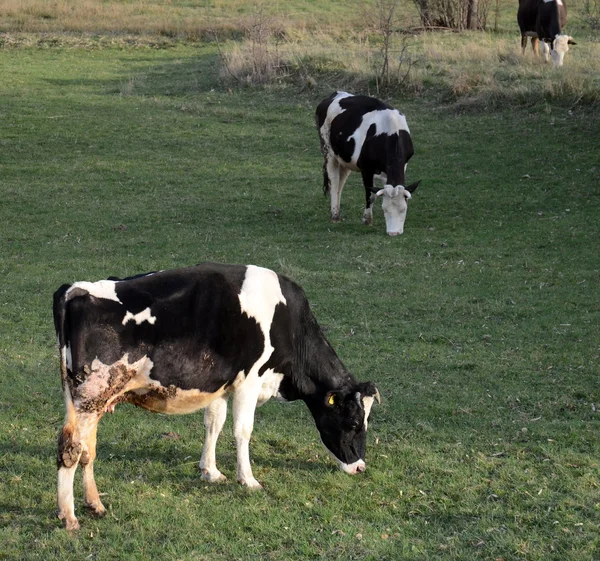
(413,186)
(333,399)
(570,41)
(368,389)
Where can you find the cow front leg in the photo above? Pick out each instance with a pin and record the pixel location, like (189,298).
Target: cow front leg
(91,497)
(370,197)
(244,406)
(535,46)
(523,43)
(214,419)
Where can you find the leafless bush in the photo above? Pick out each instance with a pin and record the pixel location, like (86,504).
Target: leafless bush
(591,13)
(257,60)
(394,62)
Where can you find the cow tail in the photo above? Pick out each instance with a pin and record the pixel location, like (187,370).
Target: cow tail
(59,309)
(326,182)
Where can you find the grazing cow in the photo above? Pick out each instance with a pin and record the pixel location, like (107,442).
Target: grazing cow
(182,340)
(360,133)
(543,20)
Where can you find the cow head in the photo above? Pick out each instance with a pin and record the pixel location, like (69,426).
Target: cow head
(395,204)
(560,47)
(342,419)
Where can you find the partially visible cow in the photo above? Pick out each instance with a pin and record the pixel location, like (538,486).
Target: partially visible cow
(182,340)
(360,133)
(543,20)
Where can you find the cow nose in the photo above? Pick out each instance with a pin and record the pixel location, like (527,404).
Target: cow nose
(393,233)
(360,468)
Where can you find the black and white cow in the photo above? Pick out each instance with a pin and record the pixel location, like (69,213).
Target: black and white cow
(182,340)
(361,133)
(543,20)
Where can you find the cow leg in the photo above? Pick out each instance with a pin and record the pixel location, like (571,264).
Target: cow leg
(337,178)
(244,406)
(91,498)
(214,419)
(69,453)
(535,46)
(367,218)
(77,444)
(524,43)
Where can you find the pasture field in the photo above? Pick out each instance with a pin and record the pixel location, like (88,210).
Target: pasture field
(479,325)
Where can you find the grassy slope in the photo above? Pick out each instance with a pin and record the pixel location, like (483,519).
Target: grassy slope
(479,325)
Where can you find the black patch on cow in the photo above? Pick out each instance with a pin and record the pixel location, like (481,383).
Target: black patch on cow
(544,18)
(200,340)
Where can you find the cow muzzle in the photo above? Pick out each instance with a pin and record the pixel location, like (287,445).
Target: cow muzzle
(357,467)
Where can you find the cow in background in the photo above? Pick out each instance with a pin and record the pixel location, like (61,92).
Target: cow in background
(543,20)
(360,133)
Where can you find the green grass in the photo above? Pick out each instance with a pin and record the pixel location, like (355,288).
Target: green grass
(479,325)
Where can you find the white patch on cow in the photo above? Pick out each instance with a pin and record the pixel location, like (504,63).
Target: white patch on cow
(67,357)
(367,404)
(100,289)
(333,111)
(258,297)
(271,381)
(386,121)
(144,315)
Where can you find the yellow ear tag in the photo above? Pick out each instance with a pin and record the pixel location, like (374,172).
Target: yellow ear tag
(331,400)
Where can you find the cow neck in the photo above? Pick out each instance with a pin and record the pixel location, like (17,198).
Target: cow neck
(318,369)
(395,167)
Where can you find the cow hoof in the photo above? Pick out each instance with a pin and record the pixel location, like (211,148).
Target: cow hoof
(71,524)
(336,218)
(367,221)
(251,484)
(97,509)
(214,476)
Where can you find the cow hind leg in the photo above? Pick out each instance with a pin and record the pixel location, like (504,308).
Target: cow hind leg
(214,419)
(69,453)
(338,176)
(77,445)
(91,497)
(535,46)
(523,43)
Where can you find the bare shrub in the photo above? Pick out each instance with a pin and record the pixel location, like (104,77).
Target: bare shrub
(393,63)
(591,14)
(257,59)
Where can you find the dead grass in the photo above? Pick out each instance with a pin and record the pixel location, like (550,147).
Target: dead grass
(310,43)
(469,69)
(189,19)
